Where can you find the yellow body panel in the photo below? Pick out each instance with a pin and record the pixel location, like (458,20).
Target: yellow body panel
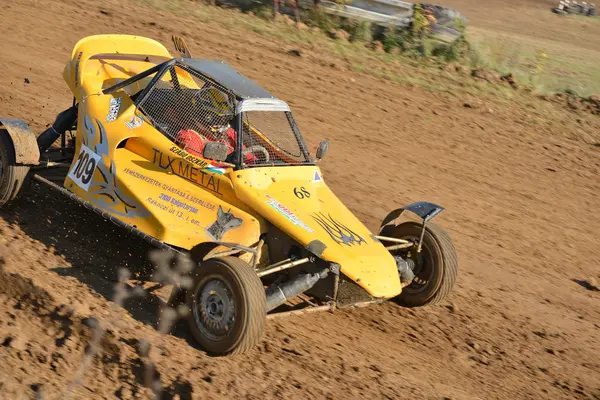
(148,183)
(142,178)
(297,201)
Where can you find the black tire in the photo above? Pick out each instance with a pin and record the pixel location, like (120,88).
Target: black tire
(11,175)
(436,266)
(232,282)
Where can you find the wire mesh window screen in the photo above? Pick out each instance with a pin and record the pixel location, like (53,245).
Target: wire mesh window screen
(273,138)
(190,110)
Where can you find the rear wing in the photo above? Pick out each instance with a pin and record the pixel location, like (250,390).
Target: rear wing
(108,46)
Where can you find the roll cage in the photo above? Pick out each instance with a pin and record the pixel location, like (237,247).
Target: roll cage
(249,98)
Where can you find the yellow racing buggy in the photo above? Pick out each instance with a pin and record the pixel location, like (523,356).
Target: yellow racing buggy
(195,158)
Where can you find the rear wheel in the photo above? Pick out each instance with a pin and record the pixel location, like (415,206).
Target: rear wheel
(435,267)
(228,306)
(11,175)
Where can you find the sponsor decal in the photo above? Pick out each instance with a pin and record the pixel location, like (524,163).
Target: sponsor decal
(199,162)
(168,188)
(225,221)
(178,208)
(160,205)
(287,213)
(317,177)
(339,232)
(113,109)
(186,170)
(134,122)
(178,203)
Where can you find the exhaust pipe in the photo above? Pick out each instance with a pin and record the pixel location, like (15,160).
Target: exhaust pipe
(279,294)
(63,121)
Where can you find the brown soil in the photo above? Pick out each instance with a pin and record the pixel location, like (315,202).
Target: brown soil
(518,176)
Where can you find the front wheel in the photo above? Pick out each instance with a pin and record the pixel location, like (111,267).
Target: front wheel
(435,267)
(11,175)
(228,306)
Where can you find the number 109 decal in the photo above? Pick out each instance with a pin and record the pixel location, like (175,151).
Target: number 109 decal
(86,163)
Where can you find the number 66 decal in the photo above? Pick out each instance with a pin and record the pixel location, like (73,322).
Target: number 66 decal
(83,171)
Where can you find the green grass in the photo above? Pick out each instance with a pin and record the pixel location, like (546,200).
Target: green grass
(564,67)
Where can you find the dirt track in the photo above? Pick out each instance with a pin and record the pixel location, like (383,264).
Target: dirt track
(518,176)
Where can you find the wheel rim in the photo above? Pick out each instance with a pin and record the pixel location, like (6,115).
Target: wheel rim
(214,311)
(423,266)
